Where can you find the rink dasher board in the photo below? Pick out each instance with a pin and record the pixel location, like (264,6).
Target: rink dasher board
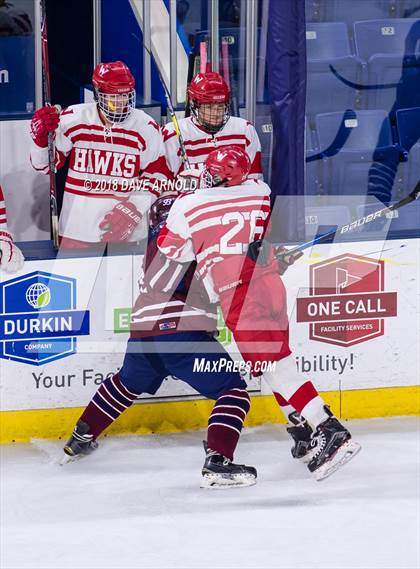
(107,287)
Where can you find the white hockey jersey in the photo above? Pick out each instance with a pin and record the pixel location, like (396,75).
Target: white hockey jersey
(107,165)
(199,143)
(215,226)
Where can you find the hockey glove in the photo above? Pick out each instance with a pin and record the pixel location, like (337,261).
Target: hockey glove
(285,260)
(45,120)
(119,223)
(11,258)
(259,251)
(190,178)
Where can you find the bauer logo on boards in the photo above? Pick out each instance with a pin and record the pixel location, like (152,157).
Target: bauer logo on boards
(39,322)
(347,303)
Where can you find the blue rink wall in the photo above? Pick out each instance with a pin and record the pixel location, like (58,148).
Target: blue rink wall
(64,329)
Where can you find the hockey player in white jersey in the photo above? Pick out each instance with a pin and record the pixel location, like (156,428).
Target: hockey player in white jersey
(117,160)
(11,258)
(210,126)
(217,226)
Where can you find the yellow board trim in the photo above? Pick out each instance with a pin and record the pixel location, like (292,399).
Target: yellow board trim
(178,416)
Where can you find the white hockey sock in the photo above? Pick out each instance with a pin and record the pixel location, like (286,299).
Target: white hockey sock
(284,405)
(299,392)
(314,411)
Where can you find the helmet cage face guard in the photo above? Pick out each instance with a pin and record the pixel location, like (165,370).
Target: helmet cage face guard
(206,180)
(116,107)
(211,125)
(226,166)
(209,180)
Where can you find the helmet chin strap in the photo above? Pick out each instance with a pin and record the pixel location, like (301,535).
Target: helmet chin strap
(108,124)
(221,183)
(210,129)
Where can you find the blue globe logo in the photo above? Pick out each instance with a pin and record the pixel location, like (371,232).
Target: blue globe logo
(38,295)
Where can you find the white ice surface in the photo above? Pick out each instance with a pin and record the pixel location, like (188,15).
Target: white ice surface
(136,503)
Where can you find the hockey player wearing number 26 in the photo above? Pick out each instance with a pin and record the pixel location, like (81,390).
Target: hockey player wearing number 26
(173,324)
(117,160)
(216,226)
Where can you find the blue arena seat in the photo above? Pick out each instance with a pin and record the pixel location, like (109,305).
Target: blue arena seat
(327,44)
(322,219)
(349,11)
(391,50)
(364,137)
(408,124)
(264,128)
(366,131)
(413,167)
(387,36)
(327,40)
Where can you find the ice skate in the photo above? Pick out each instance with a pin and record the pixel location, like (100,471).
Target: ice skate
(332,448)
(79,444)
(301,432)
(220,472)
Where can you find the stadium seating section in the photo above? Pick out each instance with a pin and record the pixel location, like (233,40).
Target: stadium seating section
(363,99)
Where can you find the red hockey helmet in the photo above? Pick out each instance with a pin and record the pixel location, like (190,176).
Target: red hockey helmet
(209,97)
(208,88)
(114,87)
(227,166)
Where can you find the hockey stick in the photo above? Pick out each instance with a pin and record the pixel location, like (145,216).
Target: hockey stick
(344,229)
(225,61)
(203,56)
(173,116)
(191,66)
(46,85)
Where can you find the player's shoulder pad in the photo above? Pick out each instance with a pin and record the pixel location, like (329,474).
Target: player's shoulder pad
(247,125)
(145,119)
(261,185)
(72,115)
(154,124)
(67,111)
(240,125)
(182,204)
(183,123)
(168,131)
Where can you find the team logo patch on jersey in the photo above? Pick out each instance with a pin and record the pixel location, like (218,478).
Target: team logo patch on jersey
(39,322)
(347,303)
(167,326)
